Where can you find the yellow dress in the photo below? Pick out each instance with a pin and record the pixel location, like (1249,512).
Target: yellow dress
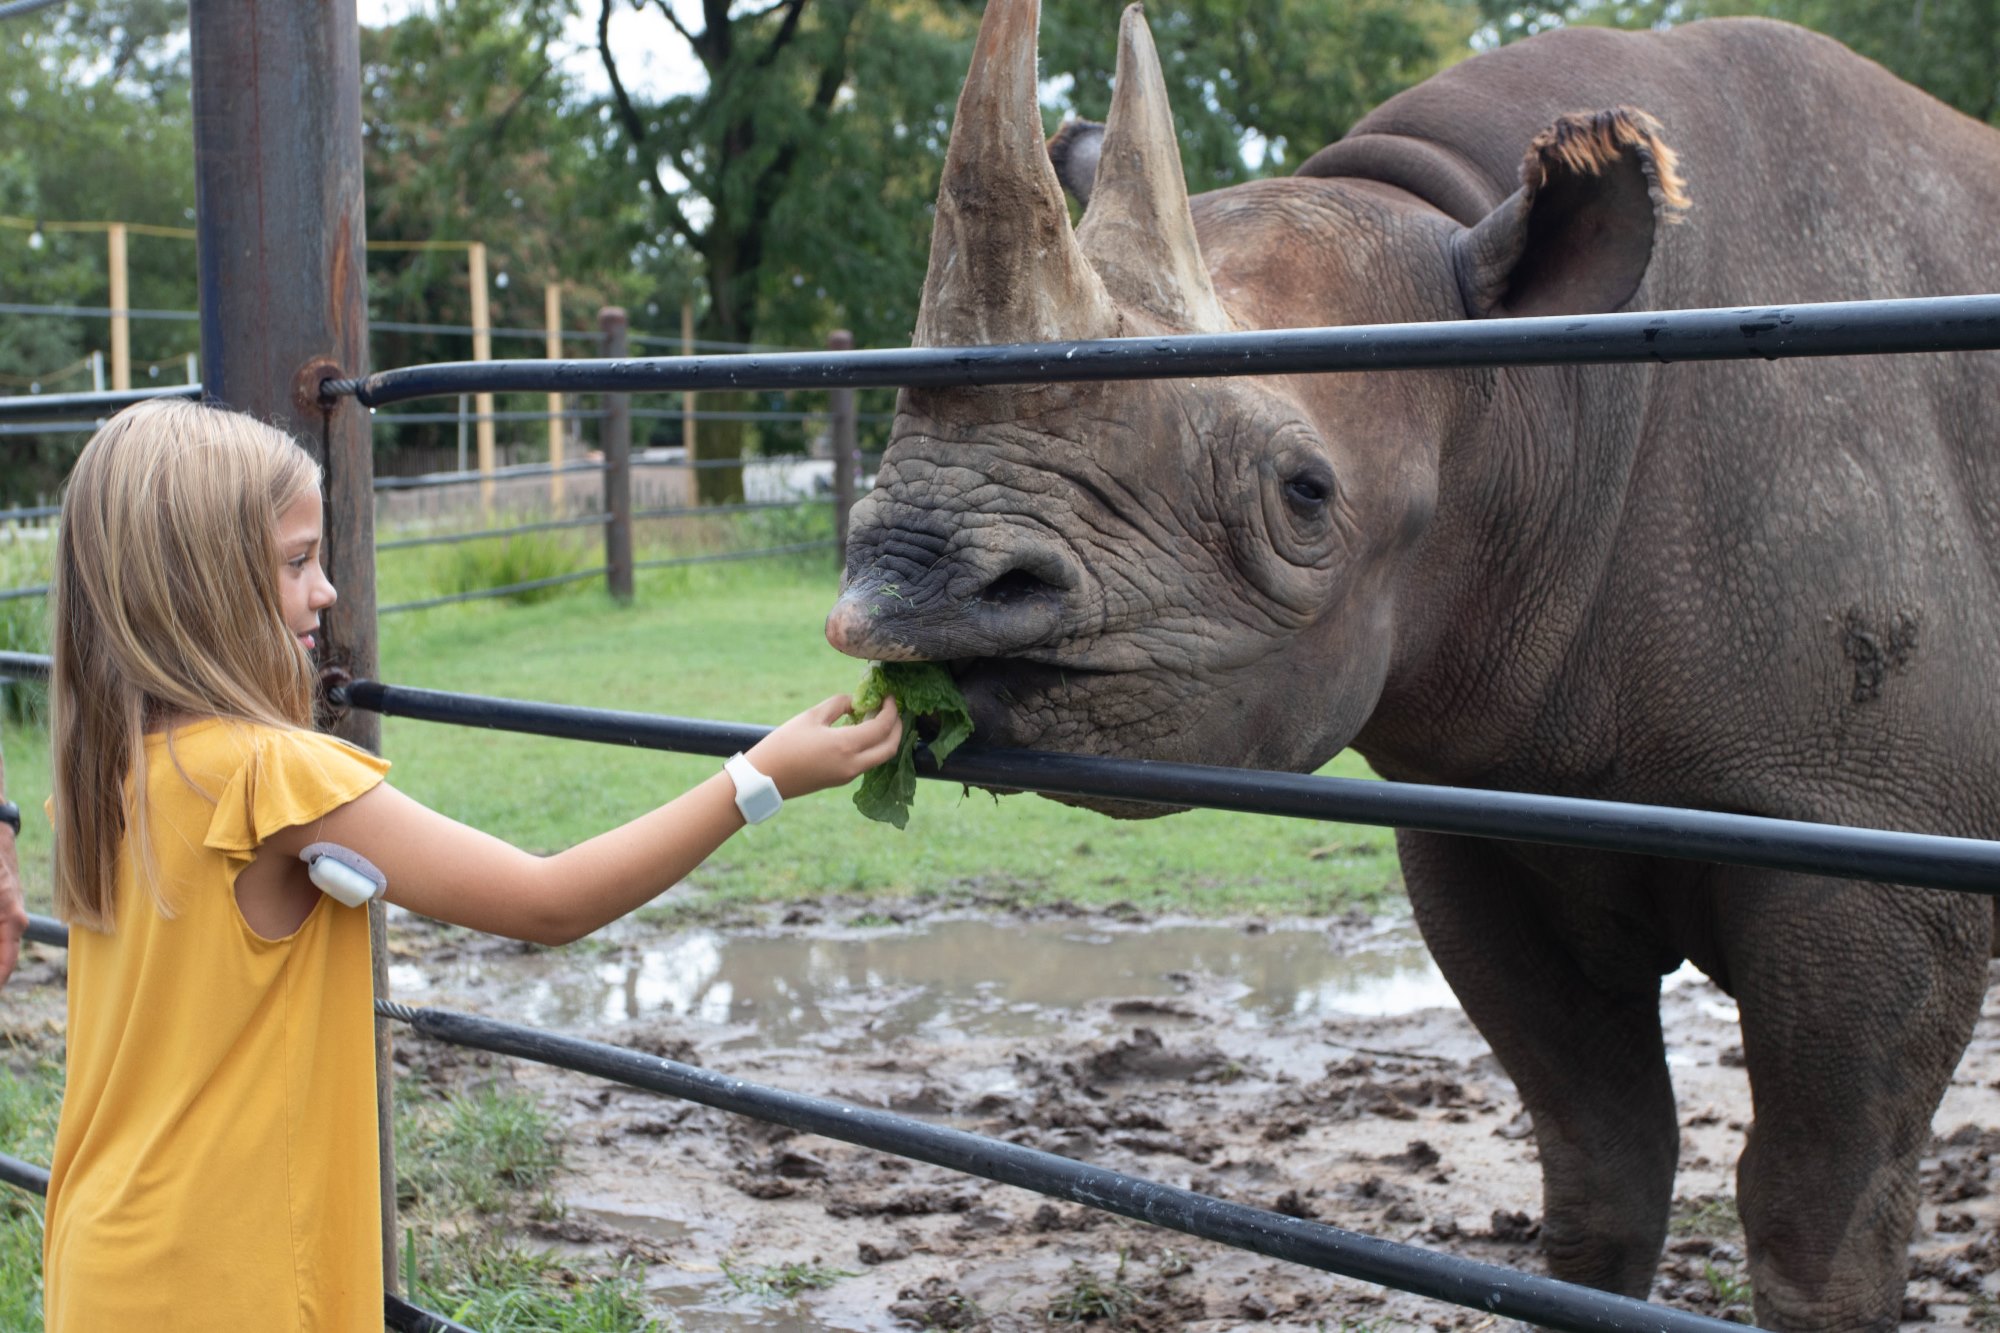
(215,1163)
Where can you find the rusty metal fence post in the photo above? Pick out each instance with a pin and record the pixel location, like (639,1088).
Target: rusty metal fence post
(284,307)
(841,404)
(617,465)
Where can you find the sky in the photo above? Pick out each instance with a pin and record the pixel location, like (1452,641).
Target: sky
(652,59)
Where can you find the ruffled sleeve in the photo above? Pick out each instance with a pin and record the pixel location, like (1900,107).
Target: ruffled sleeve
(288,778)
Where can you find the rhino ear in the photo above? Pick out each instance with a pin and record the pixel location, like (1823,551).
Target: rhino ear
(1074,150)
(1577,236)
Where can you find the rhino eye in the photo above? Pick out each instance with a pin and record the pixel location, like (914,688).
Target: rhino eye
(1307,492)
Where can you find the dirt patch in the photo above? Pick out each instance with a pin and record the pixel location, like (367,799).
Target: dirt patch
(1395,1124)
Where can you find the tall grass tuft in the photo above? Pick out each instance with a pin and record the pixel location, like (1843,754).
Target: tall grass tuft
(524,558)
(469,1169)
(28,1106)
(25,560)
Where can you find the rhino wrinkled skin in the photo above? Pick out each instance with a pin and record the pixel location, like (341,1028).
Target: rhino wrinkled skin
(1744,586)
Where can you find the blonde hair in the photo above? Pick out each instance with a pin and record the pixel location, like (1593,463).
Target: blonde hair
(166,606)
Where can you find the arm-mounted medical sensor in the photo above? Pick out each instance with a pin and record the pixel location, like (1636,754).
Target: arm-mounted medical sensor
(344,876)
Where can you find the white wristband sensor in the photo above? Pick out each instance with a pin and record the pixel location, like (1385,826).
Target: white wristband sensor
(756,795)
(345,876)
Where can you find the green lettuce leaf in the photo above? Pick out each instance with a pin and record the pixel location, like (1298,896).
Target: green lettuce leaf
(923,690)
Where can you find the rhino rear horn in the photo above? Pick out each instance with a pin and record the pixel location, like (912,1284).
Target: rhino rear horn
(1005,265)
(1137,231)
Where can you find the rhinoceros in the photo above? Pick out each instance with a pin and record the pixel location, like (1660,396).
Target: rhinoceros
(1770,588)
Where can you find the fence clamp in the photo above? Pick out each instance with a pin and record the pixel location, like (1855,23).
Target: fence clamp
(330,699)
(309,387)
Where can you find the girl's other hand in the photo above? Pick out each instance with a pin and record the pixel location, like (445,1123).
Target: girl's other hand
(809,753)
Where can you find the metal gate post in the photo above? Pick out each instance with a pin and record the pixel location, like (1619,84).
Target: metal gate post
(617,441)
(284,305)
(841,404)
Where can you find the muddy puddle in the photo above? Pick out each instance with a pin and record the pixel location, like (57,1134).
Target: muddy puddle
(846,989)
(1316,1068)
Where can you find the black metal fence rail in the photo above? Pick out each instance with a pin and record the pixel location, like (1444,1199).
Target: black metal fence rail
(1916,859)
(1501,1291)
(1421,1272)
(1920,860)
(499,590)
(57,407)
(488,534)
(1840,328)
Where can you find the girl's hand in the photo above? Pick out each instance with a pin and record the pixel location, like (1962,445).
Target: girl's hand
(809,753)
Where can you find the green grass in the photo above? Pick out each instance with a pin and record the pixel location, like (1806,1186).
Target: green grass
(29,1099)
(744,643)
(781,1281)
(470,1169)
(480,1151)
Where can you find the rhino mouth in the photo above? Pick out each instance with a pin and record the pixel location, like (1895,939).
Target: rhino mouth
(1029,704)
(1025,702)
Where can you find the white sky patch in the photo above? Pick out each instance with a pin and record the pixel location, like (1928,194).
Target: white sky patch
(653,60)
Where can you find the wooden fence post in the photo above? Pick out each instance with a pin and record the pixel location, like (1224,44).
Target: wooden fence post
(284,306)
(482,350)
(121,309)
(841,403)
(617,465)
(552,327)
(687,399)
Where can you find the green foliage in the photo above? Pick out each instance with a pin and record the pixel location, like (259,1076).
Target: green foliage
(1708,1215)
(1258,86)
(780,1281)
(1730,1288)
(29,1101)
(98,129)
(499,1287)
(474,131)
(1089,1298)
(743,642)
(801,177)
(468,1167)
(476,1152)
(24,621)
(524,558)
(924,693)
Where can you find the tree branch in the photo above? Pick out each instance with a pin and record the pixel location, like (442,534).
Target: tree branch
(635,130)
(771,181)
(786,31)
(493,135)
(667,8)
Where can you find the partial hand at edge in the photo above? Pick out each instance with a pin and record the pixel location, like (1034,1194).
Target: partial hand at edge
(13,909)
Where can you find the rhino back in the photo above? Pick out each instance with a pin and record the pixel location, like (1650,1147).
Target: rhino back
(1788,599)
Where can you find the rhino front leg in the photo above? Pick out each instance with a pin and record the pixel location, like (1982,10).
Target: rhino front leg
(1857,1001)
(1588,1061)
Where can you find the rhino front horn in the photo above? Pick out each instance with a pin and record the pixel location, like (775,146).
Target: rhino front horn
(1005,266)
(1138,232)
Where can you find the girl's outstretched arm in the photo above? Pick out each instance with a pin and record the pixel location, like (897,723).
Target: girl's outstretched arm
(444,869)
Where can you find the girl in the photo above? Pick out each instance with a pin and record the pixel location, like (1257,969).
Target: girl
(215,1164)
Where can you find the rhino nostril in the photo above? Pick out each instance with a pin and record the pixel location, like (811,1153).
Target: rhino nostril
(1016,585)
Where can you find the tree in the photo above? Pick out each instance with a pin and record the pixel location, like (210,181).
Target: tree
(98,128)
(1949,48)
(474,132)
(800,179)
(1260,85)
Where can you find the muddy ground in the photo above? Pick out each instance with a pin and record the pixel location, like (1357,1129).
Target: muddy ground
(1314,1068)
